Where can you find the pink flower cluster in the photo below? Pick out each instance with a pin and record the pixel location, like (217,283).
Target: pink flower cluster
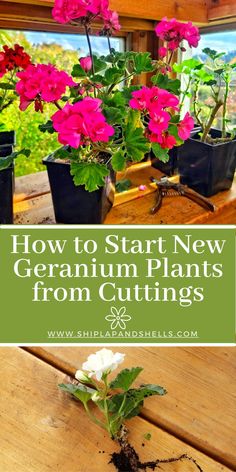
(65,11)
(41,83)
(159,105)
(173,32)
(82,123)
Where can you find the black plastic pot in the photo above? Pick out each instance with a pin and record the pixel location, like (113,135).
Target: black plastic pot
(207,168)
(6,189)
(75,205)
(171,167)
(7,138)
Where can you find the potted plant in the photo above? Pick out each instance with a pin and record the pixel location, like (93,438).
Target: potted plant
(12,60)
(110,404)
(100,125)
(173,34)
(207,161)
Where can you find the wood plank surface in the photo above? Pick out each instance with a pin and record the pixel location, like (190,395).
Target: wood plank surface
(175,210)
(44,430)
(201,383)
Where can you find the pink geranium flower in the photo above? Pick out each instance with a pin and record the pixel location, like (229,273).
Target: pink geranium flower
(42,83)
(159,120)
(173,32)
(141,99)
(185,126)
(82,123)
(65,11)
(86,63)
(162,52)
(166,140)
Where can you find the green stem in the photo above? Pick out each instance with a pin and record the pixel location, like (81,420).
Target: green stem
(93,417)
(225,109)
(210,121)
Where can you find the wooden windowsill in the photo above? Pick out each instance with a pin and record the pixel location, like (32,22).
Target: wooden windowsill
(33,203)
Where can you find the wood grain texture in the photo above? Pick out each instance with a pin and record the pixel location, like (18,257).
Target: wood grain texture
(221,9)
(201,382)
(146,9)
(44,430)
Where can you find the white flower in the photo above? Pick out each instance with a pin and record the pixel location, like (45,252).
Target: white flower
(81,376)
(102,362)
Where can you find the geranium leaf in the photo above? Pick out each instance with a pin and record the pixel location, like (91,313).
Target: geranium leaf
(160,153)
(6,162)
(47,127)
(118,161)
(78,71)
(90,174)
(136,143)
(125,378)
(81,392)
(142,62)
(123,185)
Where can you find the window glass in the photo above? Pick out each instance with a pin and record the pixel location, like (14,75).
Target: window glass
(63,51)
(221,42)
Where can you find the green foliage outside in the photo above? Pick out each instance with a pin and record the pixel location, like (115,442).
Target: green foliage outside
(26,124)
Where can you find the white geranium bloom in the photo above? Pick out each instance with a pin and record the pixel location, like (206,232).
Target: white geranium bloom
(81,376)
(102,362)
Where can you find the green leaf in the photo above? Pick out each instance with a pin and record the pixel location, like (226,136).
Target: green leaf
(78,71)
(99,64)
(133,399)
(113,75)
(6,86)
(162,81)
(47,127)
(123,185)
(142,62)
(81,392)
(161,154)
(173,130)
(113,115)
(136,143)
(90,174)
(7,161)
(125,378)
(187,66)
(118,161)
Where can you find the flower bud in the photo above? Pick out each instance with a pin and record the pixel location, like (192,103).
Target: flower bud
(86,63)
(95,397)
(81,376)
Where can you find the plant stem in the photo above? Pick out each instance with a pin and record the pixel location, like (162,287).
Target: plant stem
(93,417)
(89,46)
(57,105)
(109,43)
(225,109)
(210,121)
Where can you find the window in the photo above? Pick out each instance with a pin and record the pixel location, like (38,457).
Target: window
(62,50)
(224,41)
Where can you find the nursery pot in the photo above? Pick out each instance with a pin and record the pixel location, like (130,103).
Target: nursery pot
(207,168)
(6,189)
(7,138)
(73,204)
(171,167)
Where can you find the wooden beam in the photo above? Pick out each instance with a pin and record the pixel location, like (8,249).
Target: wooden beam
(19,16)
(147,9)
(221,9)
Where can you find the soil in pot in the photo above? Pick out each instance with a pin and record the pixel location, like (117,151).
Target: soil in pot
(6,189)
(207,168)
(75,205)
